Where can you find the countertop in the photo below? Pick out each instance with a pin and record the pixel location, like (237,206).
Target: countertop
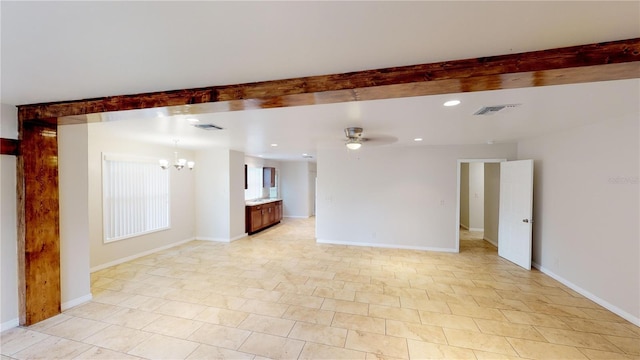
(260,201)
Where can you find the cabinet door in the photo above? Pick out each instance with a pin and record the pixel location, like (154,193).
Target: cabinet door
(279,211)
(265,216)
(256,220)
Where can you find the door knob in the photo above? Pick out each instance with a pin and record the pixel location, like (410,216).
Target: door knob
(527,221)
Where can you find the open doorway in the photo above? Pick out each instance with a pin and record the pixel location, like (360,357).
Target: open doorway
(478,198)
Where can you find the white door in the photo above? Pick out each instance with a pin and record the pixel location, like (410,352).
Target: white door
(516,212)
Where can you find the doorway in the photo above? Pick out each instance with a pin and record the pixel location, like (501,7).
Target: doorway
(477,203)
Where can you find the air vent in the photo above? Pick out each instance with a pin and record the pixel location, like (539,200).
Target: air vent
(208,127)
(307,156)
(490,110)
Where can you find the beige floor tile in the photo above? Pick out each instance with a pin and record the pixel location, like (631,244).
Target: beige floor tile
(350,307)
(410,330)
(52,347)
(313,351)
(222,336)
(427,350)
(505,328)
(207,352)
(600,327)
(173,326)
(520,317)
(260,294)
(577,339)
(271,346)
(378,299)
(377,343)
(293,288)
(542,350)
(223,301)
(132,318)
(164,347)
(476,311)
(502,304)
(358,322)
(144,303)
(224,317)
(17,339)
(325,292)
(313,316)
(447,321)
(485,355)
(606,355)
(264,308)
(76,328)
(425,304)
(394,313)
(321,334)
(52,321)
(93,310)
(118,338)
(180,309)
(110,297)
(267,325)
(365,288)
(478,341)
(302,300)
(630,345)
(98,353)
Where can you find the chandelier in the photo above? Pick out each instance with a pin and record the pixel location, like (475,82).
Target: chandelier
(178,163)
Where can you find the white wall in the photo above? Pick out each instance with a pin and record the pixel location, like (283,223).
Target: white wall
(586,210)
(476,196)
(295,188)
(394,197)
(313,173)
(220,188)
(464,195)
(8,224)
(491,201)
(73,162)
(182,200)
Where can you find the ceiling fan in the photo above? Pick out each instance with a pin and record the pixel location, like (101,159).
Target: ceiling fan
(355,138)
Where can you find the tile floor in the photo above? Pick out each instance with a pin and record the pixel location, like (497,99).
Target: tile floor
(280,295)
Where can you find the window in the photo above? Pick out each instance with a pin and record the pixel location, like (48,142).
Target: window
(254,183)
(135,193)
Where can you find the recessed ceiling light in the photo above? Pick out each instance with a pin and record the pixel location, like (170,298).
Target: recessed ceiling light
(452,103)
(274,145)
(260,155)
(417,139)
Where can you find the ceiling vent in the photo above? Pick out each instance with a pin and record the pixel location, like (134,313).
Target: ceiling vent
(490,110)
(208,127)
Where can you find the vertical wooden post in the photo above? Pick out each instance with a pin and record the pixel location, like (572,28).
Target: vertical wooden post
(38,222)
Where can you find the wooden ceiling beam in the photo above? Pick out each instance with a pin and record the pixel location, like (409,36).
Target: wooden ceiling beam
(613,60)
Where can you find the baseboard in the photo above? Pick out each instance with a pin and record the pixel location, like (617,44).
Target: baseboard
(9,324)
(476,229)
(464,226)
(605,304)
(491,241)
(296,217)
(386,246)
(75,302)
(138,255)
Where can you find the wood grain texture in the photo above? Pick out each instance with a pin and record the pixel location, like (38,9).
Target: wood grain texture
(38,230)
(9,146)
(567,65)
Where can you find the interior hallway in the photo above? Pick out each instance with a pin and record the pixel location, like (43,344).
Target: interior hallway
(278,294)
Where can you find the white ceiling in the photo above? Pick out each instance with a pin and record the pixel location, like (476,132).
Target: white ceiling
(54,51)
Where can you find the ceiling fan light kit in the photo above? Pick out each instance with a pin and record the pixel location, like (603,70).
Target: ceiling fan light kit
(354,137)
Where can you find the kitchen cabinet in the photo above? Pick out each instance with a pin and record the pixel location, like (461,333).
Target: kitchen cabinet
(269,177)
(261,216)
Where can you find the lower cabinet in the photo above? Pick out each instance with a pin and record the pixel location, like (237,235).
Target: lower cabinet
(262,216)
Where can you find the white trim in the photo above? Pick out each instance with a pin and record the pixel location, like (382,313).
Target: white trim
(204,238)
(607,305)
(138,255)
(463,225)
(476,229)
(9,324)
(75,302)
(491,241)
(296,216)
(386,246)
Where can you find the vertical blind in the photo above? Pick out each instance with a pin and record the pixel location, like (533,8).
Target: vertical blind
(135,197)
